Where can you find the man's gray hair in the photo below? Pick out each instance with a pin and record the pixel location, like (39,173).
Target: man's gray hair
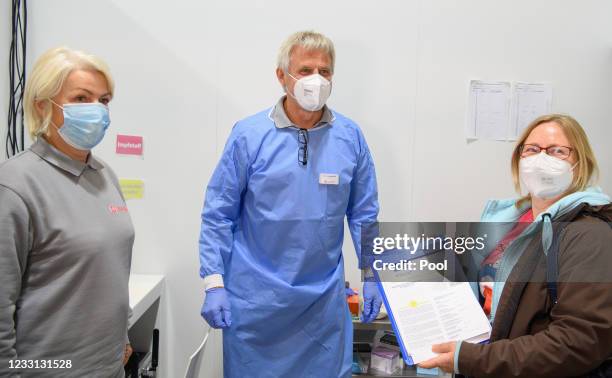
(310,40)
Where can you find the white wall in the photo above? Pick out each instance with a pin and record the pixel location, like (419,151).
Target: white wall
(569,46)
(187,70)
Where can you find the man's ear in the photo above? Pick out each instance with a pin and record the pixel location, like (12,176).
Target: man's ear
(280,74)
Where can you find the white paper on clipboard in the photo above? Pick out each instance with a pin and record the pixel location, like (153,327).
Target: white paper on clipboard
(428,313)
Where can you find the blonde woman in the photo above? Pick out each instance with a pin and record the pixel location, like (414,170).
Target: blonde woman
(65,233)
(546,323)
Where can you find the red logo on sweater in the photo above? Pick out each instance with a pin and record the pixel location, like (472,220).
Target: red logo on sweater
(114,209)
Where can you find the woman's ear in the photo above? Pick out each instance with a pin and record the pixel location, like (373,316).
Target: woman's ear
(576,172)
(40,106)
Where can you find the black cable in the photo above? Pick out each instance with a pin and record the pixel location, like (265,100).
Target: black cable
(10,133)
(17,76)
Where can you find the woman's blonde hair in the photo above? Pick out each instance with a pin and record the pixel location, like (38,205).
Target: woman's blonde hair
(310,40)
(46,81)
(585,171)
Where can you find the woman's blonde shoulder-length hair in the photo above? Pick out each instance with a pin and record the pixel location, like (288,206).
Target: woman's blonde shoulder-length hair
(585,171)
(46,81)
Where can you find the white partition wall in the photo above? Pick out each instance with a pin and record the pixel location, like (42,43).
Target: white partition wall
(186,70)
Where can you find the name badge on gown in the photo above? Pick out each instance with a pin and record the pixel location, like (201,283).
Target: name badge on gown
(329,179)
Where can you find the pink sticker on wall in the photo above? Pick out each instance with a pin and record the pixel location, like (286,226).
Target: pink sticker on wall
(129,145)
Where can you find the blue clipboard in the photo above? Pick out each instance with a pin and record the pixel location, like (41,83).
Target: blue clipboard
(406,356)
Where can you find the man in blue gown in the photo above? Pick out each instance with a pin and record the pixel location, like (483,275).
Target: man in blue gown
(273,224)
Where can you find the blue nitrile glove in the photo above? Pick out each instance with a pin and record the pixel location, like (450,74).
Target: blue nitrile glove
(216,308)
(372,300)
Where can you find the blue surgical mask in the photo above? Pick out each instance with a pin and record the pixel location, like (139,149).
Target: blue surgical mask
(84,124)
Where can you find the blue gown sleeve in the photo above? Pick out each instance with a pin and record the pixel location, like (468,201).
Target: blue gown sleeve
(222,205)
(362,211)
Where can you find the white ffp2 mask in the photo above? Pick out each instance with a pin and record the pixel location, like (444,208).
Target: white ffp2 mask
(311,91)
(545,176)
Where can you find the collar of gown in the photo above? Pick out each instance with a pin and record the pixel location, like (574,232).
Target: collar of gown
(278,115)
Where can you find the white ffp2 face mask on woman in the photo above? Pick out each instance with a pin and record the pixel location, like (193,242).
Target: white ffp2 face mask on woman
(545,176)
(311,91)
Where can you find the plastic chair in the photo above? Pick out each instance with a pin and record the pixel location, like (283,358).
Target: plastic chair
(195,361)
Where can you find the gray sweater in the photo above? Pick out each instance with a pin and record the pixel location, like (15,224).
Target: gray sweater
(65,249)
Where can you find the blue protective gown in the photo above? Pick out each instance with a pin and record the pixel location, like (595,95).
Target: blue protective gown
(275,234)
